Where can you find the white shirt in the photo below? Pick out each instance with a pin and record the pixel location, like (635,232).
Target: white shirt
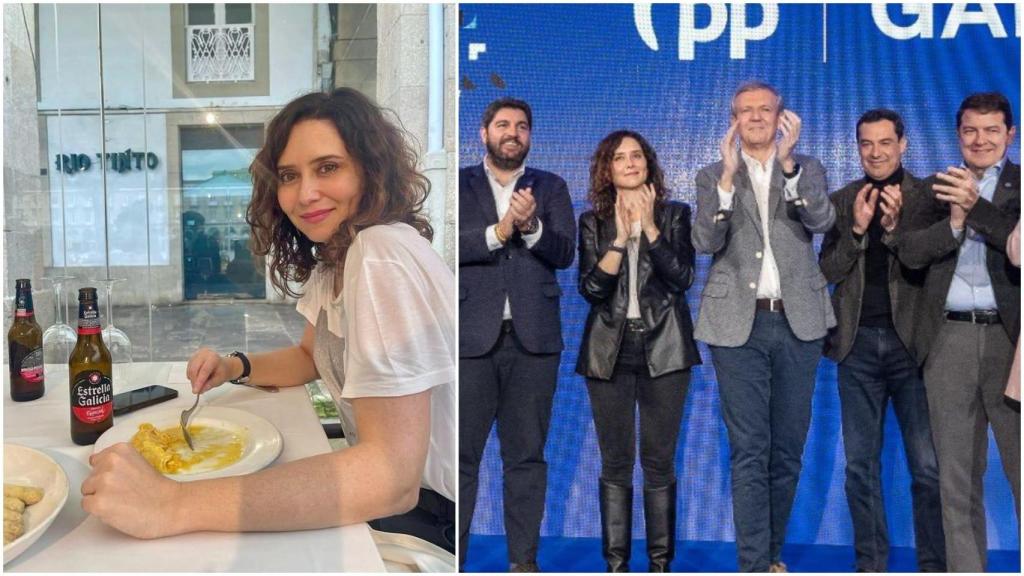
(768,285)
(395,318)
(971,287)
(502,200)
(633,253)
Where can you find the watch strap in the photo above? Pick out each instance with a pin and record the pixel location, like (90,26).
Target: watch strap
(246,368)
(533,226)
(796,170)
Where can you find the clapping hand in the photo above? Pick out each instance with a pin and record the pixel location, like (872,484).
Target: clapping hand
(730,156)
(789,125)
(647,199)
(526,207)
(961,187)
(516,213)
(960,190)
(622,221)
(864,208)
(892,203)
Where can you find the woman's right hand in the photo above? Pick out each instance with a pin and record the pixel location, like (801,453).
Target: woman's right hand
(622,221)
(206,369)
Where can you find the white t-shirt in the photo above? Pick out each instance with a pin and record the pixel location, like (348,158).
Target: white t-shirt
(390,332)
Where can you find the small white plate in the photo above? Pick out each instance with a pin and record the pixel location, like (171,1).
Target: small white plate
(263,442)
(30,467)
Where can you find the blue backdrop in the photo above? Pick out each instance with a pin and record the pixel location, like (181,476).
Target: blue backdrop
(668,72)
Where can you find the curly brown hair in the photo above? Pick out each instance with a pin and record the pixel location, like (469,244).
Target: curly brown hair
(602,191)
(394,190)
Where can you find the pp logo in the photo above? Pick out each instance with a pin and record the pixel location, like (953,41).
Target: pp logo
(735,15)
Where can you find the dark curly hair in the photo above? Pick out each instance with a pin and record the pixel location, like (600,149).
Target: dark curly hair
(602,191)
(394,190)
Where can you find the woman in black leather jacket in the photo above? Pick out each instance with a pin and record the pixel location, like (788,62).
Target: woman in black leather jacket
(636,262)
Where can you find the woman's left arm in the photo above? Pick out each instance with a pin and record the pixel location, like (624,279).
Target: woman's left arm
(673,261)
(378,477)
(399,335)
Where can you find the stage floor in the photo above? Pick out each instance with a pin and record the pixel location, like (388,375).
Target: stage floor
(488,554)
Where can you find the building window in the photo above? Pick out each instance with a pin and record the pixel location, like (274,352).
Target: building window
(220,42)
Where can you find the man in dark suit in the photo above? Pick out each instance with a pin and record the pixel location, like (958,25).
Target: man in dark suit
(764,311)
(516,227)
(874,301)
(968,317)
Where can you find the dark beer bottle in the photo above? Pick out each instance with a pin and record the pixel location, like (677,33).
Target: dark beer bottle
(25,347)
(89,368)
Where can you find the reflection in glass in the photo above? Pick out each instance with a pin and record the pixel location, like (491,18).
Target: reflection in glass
(216,189)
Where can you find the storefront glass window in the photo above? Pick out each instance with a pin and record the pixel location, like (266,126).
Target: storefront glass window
(128,140)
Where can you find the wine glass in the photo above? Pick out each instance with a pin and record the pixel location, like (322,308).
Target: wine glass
(58,339)
(8,313)
(118,343)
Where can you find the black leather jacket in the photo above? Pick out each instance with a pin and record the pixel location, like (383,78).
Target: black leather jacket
(665,270)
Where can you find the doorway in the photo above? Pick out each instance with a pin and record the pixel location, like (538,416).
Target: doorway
(216,188)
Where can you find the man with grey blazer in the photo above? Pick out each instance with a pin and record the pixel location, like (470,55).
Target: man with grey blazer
(968,317)
(765,309)
(875,301)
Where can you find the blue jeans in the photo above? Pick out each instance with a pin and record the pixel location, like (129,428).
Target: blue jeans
(879,368)
(766,387)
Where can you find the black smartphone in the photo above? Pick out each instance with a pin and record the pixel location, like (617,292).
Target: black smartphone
(133,400)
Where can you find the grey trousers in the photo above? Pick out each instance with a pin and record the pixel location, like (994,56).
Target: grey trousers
(965,375)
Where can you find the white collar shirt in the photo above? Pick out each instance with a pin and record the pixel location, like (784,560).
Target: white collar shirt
(768,285)
(502,199)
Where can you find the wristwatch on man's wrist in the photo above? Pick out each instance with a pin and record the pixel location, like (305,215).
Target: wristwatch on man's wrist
(531,226)
(796,170)
(246,367)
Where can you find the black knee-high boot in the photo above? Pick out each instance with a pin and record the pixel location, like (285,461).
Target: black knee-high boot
(616,525)
(660,518)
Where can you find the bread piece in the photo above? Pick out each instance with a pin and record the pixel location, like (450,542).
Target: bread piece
(13,504)
(12,516)
(27,494)
(13,528)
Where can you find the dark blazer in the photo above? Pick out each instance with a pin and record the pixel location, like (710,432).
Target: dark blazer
(525,275)
(924,240)
(664,272)
(843,261)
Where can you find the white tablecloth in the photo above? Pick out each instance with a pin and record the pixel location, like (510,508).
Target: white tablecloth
(78,542)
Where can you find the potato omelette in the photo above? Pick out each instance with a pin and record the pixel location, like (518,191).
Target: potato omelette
(167,451)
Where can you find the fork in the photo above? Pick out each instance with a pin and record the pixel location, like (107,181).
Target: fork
(185,415)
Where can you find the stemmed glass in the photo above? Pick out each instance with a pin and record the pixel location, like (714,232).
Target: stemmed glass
(58,339)
(117,341)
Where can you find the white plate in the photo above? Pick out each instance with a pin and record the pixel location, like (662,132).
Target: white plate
(30,467)
(263,442)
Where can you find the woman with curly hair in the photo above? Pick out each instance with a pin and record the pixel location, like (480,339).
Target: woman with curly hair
(636,262)
(336,208)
